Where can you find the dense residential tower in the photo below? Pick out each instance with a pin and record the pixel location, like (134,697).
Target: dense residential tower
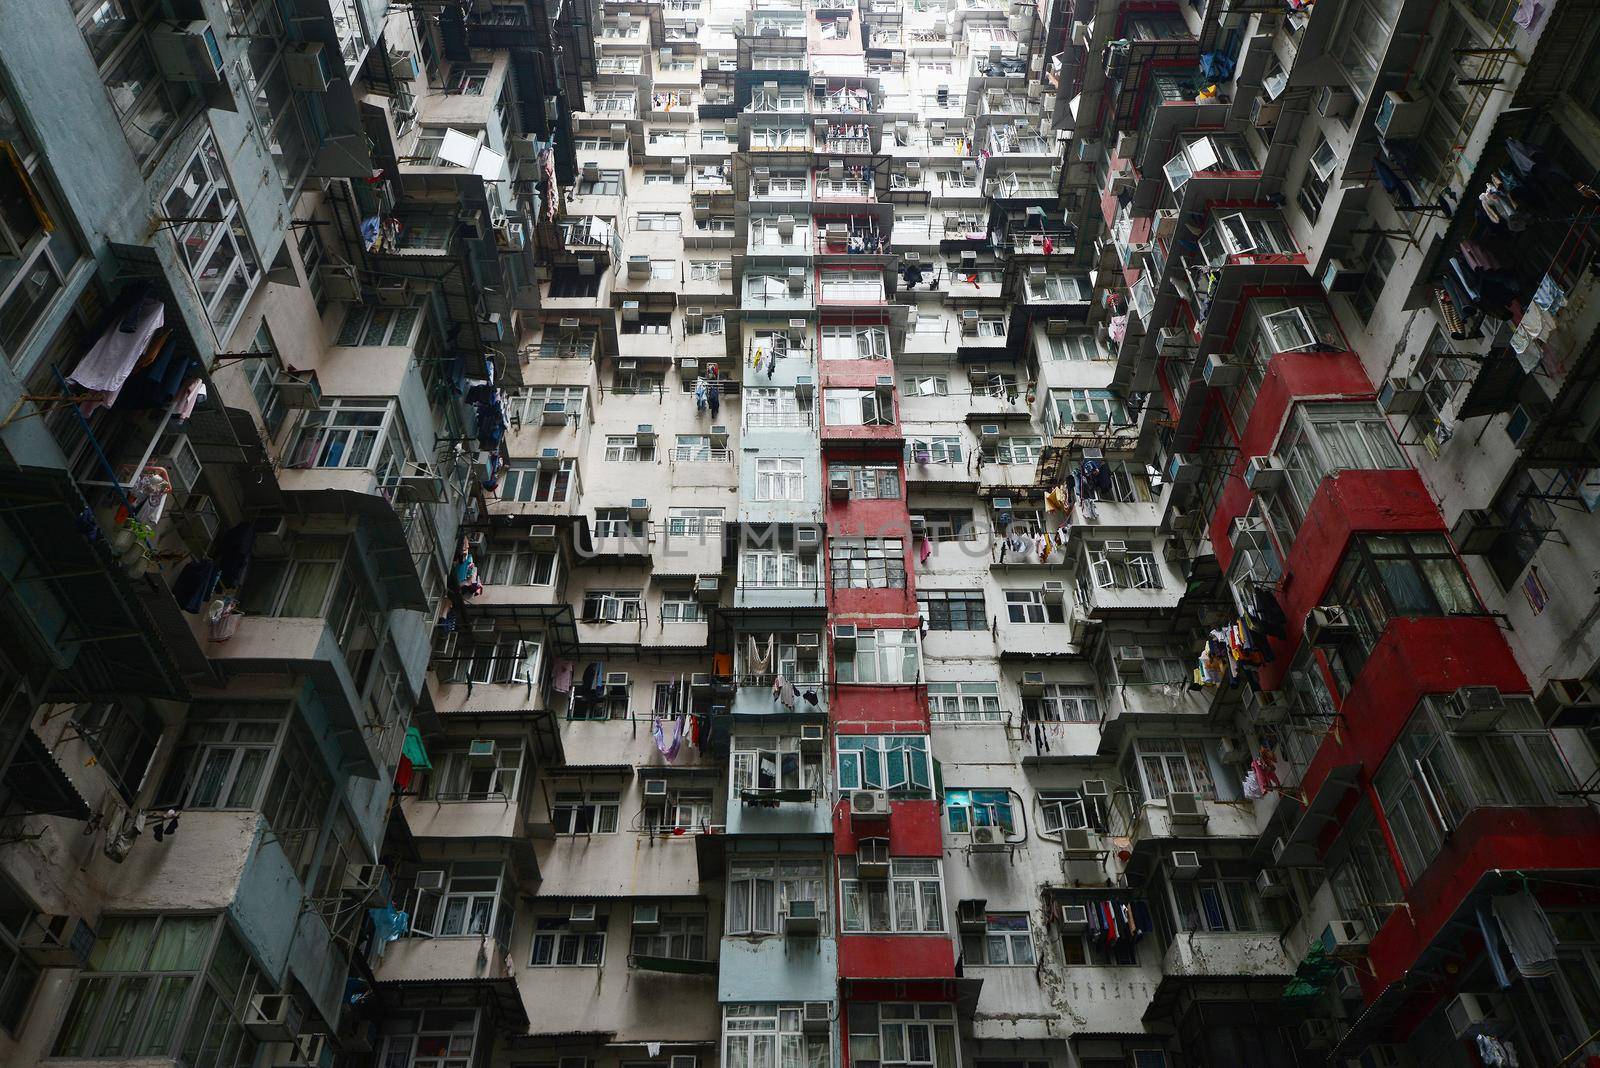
(799,533)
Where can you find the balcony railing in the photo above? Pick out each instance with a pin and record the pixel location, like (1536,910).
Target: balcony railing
(697,454)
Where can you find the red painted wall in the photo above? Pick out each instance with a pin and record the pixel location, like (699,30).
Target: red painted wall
(1412,658)
(914,829)
(899,709)
(896,957)
(1530,839)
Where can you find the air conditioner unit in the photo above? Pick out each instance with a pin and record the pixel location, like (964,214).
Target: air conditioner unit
(587,266)
(1096,788)
(796,330)
(394,293)
(483,626)
(844,635)
(617,682)
(1000,504)
(1271,883)
(1345,939)
(549,459)
(708,588)
(1567,703)
(989,433)
(303,1051)
(988,837)
(1476,531)
(1186,809)
(1220,372)
(655,790)
(1053,592)
(646,918)
(1032,684)
(1328,625)
(815,1017)
(187,52)
(811,737)
(1074,919)
(786,225)
(583,916)
(808,540)
(1474,708)
(802,918)
(1183,864)
(273,1018)
(1130,659)
(366,879)
(869,804)
(1465,1013)
(839,487)
(481,751)
(1400,116)
(339,281)
(1234,751)
(1316,1033)
(972,914)
(1264,473)
(1339,276)
(1347,984)
(719,437)
(638,267)
(1264,111)
(1080,843)
(300,390)
(797,279)
(969,321)
(1334,102)
(430,879)
(57,941)
(1401,396)
(1183,470)
(176,455)
(1114,548)
(803,387)
(307,67)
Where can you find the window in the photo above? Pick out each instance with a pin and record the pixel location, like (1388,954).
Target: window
(1128,566)
(605,184)
(1061,809)
(767,763)
(964,702)
(949,524)
(346,432)
(909,1036)
(1359,39)
(557,945)
(855,343)
(770,406)
(910,901)
(1007,940)
(594,812)
(265,373)
(1030,606)
(1238,234)
(18,975)
(953,609)
(612,606)
(896,763)
(1319,176)
(663,178)
(146,104)
(1388,575)
(530,404)
(1074,347)
(759,892)
(1366,883)
(966,809)
(436,1038)
(537,484)
(218,255)
(663,270)
(1432,777)
(925,385)
(780,479)
(881,656)
(1207,153)
(123,738)
(1063,702)
(1222,904)
(469,79)
(842,284)
(937,450)
(707,270)
(680,606)
(697,448)
(137,996)
(506,660)
(517,565)
(760,656)
(1380,261)
(771,1036)
(858,407)
(778,564)
(678,936)
(301,584)
(867,563)
(656,220)
(1324,438)
(1167,765)
(458,777)
(694,521)
(644,323)
(1088,406)
(626,448)
(1018,450)
(870,482)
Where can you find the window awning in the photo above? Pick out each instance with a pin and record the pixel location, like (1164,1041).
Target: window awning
(1496,389)
(35,782)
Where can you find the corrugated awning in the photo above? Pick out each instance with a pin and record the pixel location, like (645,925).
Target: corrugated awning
(36,783)
(1496,389)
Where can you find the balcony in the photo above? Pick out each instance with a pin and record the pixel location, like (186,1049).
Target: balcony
(445,960)
(1225,955)
(846,189)
(1114,580)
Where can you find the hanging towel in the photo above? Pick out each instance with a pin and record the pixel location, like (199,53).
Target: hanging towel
(561,680)
(1527,932)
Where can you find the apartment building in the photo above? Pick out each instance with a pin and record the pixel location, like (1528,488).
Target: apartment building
(799,534)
